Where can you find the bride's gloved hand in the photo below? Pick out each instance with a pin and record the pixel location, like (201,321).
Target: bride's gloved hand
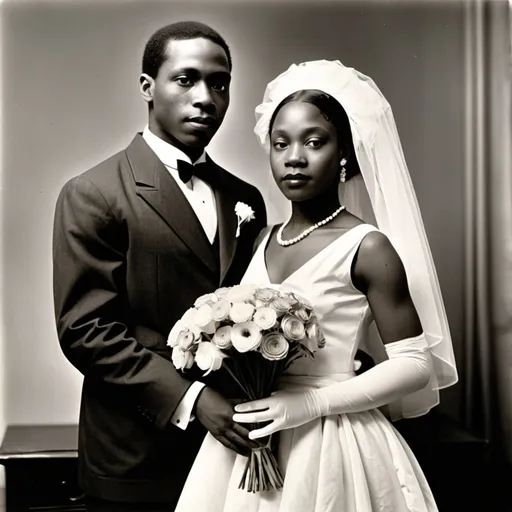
(407,370)
(284,409)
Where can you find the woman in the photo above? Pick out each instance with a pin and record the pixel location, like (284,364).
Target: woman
(323,124)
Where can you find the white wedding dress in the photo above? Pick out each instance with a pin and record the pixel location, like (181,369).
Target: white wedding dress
(341,463)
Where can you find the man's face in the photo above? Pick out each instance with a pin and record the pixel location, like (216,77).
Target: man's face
(190,94)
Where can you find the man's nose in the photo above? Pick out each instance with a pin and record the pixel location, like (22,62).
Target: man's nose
(202,96)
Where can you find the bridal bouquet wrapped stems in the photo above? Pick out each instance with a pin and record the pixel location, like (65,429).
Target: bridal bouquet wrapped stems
(255,334)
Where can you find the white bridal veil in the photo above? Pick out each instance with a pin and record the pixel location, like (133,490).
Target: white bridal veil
(383,196)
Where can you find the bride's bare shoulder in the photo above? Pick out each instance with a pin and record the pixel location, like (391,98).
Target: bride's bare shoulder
(377,260)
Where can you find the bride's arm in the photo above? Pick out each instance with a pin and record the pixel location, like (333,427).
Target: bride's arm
(379,273)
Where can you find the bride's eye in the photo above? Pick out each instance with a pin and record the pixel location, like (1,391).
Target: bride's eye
(314,143)
(279,144)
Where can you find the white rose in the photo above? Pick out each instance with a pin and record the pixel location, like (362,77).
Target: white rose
(222,338)
(209,357)
(221,293)
(186,340)
(196,331)
(244,211)
(265,318)
(266,294)
(292,299)
(189,317)
(220,310)
(240,293)
(293,328)
(204,319)
(209,298)
(246,336)
(302,301)
(182,360)
(314,332)
(310,343)
(302,314)
(274,346)
(241,312)
(172,339)
(280,305)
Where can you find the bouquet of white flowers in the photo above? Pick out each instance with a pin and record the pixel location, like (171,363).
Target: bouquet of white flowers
(255,334)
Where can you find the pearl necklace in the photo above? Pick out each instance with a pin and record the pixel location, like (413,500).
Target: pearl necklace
(307,231)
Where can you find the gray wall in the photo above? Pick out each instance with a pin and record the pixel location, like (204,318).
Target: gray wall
(71,99)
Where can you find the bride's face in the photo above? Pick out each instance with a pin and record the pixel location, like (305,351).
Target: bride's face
(304,154)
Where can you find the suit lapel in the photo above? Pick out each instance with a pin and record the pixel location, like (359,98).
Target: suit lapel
(227,220)
(159,189)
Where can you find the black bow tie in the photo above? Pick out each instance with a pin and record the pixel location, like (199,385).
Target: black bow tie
(203,171)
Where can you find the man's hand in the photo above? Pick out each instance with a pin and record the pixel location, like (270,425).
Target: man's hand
(216,414)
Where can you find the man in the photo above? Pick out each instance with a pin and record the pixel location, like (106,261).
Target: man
(136,240)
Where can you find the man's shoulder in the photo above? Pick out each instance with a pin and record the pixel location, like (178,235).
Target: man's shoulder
(106,168)
(104,175)
(101,182)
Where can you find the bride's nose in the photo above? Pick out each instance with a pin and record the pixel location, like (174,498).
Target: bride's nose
(295,158)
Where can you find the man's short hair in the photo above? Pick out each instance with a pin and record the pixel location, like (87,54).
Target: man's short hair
(154,52)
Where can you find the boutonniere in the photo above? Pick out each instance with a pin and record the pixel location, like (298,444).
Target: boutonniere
(244,214)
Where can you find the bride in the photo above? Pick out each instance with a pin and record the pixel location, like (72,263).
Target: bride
(328,129)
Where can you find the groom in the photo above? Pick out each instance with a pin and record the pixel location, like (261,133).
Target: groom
(136,240)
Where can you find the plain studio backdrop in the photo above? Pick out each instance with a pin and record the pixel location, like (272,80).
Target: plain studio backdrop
(71,99)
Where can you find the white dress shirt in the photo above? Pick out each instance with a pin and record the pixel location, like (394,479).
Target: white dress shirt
(202,200)
(198,193)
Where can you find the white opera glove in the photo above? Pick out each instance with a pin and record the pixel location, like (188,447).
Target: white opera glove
(407,370)
(285,409)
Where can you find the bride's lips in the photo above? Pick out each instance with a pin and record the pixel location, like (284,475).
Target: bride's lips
(296,179)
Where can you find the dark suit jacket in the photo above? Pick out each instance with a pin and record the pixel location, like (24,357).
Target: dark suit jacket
(130,256)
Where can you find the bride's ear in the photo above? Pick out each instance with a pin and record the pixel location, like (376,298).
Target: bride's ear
(345,152)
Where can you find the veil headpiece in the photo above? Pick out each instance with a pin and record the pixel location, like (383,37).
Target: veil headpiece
(384,196)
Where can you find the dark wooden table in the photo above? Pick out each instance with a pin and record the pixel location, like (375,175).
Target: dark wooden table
(41,468)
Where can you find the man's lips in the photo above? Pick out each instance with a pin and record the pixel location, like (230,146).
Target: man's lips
(205,121)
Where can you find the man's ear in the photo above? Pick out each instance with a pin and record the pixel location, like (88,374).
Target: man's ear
(146,87)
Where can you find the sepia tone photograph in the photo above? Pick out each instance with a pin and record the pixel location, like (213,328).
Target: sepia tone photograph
(256,255)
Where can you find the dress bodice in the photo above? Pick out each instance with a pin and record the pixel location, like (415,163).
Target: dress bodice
(343,311)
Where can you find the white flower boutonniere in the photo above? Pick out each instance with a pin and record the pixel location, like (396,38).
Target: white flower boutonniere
(244,213)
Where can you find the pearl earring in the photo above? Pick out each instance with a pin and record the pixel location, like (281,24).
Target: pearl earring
(343,174)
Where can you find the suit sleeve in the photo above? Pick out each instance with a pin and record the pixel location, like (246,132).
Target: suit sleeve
(92,316)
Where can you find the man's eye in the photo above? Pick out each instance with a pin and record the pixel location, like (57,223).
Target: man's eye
(184,80)
(220,86)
